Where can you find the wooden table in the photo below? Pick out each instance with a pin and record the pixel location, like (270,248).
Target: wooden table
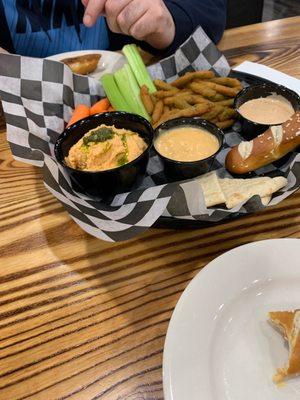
(85,319)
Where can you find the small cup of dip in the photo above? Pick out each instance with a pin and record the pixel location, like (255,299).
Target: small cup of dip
(187,146)
(264,105)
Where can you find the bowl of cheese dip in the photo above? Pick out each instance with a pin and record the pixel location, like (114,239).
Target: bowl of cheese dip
(187,146)
(264,105)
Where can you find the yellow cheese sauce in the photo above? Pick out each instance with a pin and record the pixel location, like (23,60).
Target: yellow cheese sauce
(270,110)
(186,144)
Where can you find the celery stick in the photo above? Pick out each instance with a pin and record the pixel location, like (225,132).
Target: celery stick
(138,67)
(113,93)
(130,90)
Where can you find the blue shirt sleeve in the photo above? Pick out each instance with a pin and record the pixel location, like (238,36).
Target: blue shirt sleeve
(189,14)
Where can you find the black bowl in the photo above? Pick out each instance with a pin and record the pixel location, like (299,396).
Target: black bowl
(180,170)
(251,129)
(112,181)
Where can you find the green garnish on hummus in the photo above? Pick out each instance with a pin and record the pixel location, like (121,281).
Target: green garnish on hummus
(122,160)
(124,157)
(99,135)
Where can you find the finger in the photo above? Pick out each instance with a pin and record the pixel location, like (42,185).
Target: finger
(3,51)
(131,14)
(142,28)
(112,9)
(84,2)
(158,34)
(93,10)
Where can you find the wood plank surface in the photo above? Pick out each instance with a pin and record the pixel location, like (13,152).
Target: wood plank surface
(85,319)
(274,43)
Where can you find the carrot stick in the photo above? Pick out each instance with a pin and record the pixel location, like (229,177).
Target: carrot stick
(99,107)
(110,108)
(81,111)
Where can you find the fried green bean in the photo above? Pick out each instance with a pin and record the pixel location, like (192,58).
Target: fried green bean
(146,99)
(157,112)
(189,76)
(161,85)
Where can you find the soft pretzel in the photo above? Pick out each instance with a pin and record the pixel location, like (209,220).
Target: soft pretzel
(266,148)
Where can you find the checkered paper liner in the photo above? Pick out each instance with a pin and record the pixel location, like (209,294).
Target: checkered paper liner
(38,97)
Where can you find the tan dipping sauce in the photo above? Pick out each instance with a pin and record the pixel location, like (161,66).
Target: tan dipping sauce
(270,110)
(186,144)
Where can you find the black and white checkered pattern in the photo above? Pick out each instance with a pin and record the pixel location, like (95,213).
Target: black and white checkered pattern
(38,96)
(198,52)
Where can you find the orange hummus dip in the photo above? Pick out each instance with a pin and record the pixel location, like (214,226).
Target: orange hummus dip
(105,147)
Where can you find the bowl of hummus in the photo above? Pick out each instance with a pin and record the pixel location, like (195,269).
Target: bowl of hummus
(264,105)
(105,154)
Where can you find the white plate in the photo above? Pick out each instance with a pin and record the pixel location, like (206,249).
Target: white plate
(109,60)
(219,345)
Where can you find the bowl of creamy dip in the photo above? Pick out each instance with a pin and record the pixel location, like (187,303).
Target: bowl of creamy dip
(187,146)
(264,105)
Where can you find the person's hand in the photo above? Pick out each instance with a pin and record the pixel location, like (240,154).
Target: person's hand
(148,20)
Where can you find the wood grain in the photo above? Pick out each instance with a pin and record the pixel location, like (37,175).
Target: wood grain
(84,319)
(274,43)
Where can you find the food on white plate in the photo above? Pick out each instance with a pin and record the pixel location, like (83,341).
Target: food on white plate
(283,321)
(288,323)
(271,110)
(186,143)
(231,192)
(268,147)
(84,64)
(105,147)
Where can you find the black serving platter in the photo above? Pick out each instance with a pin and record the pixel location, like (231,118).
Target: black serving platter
(176,223)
